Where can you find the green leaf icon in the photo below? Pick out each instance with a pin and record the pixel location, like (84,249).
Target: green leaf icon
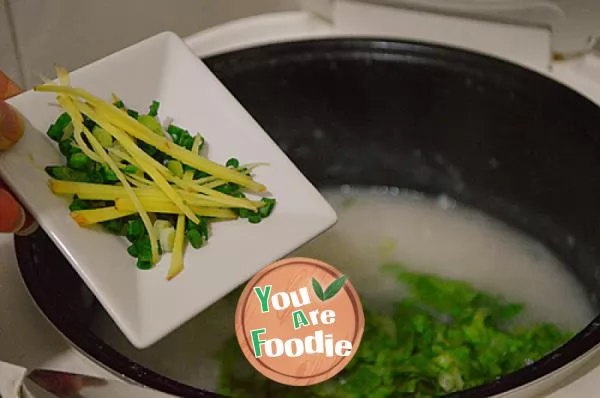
(335,287)
(317,289)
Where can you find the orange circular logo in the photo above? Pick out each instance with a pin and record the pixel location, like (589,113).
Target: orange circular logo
(299,321)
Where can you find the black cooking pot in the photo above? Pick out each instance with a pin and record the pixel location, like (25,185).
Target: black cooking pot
(492,135)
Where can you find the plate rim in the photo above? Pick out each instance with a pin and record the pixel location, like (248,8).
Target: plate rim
(322,216)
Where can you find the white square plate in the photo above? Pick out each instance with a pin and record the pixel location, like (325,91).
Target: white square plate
(144,304)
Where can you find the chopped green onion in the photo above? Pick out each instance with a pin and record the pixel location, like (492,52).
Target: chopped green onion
(229,188)
(103,136)
(254,218)
(175,132)
(200,174)
(233,163)
(78,161)
(195,238)
(130,169)
(79,204)
(149,149)
(144,264)
(267,209)
(132,113)
(117,226)
(135,229)
(67,148)
(108,175)
(245,213)
(144,248)
(67,174)
(175,167)
(119,104)
(154,108)
(132,250)
(151,123)
(89,123)
(56,130)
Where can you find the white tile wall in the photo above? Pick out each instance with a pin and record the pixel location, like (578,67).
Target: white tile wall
(8,55)
(75,32)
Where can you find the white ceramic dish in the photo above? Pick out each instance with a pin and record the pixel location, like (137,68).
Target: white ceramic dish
(144,305)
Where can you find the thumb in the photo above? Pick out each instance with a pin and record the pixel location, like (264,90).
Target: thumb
(11,126)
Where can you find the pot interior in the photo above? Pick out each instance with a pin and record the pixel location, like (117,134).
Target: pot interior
(504,163)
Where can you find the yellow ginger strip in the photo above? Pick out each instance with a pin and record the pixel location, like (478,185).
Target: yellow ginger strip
(139,131)
(93,216)
(165,206)
(177,256)
(90,191)
(189,184)
(77,130)
(196,144)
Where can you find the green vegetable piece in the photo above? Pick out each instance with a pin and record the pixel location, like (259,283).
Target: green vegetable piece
(103,137)
(79,161)
(254,218)
(230,188)
(67,174)
(55,132)
(186,141)
(154,108)
(143,264)
(119,104)
(144,248)
(132,113)
(108,175)
(79,204)
(63,121)
(117,226)
(201,227)
(151,123)
(200,174)
(135,229)
(195,238)
(267,209)
(233,163)
(89,123)
(175,132)
(149,149)
(67,148)
(132,250)
(175,167)
(245,213)
(130,169)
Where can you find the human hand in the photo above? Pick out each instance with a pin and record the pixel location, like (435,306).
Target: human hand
(13,217)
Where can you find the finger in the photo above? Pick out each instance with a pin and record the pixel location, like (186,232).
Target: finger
(11,126)
(13,217)
(7,87)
